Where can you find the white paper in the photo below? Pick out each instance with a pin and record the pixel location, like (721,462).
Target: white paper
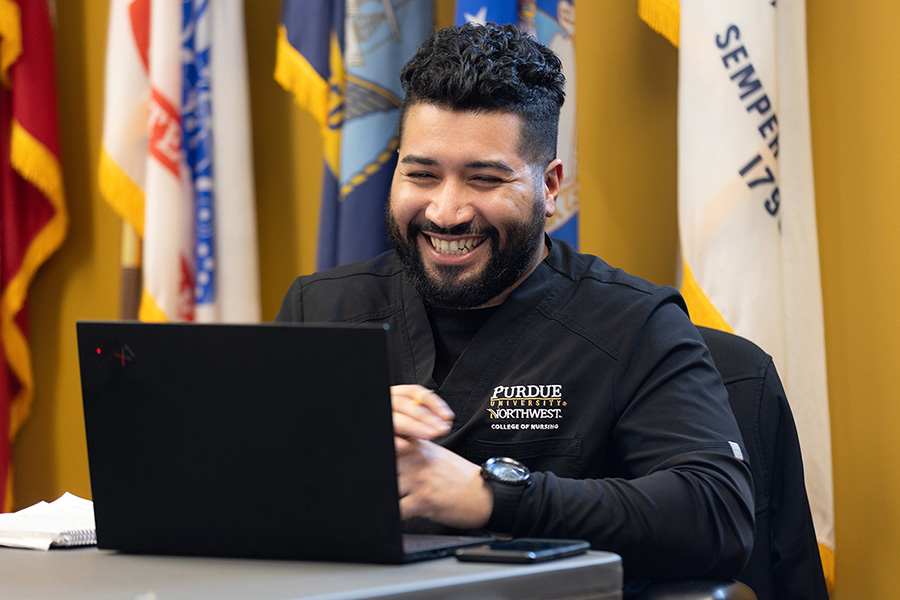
(42,524)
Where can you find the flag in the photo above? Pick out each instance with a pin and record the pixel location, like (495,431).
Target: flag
(176,161)
(551,22)
(341,61)
(33,220)
(746,210)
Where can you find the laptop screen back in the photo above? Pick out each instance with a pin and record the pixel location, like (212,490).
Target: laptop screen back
(270,441)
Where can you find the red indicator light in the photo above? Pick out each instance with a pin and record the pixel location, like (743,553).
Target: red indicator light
(99,351)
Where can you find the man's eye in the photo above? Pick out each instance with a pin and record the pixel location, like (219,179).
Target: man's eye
(486,179)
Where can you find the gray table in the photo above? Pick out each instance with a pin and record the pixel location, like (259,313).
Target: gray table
(99,575)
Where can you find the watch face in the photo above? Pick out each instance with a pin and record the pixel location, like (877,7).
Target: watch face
(510,471)
(507,470)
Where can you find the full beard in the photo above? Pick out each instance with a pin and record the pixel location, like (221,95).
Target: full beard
(451,286)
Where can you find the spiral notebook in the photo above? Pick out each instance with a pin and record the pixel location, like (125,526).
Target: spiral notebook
(65,522)
(265,441)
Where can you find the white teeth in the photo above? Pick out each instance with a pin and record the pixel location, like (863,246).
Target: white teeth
(455,246)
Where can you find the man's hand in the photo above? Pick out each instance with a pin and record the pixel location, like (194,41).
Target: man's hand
(442,486)
(419,413)
(434,482)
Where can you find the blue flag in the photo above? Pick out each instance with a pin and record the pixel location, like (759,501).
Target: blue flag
(487,11)
(551,22)
(342,62)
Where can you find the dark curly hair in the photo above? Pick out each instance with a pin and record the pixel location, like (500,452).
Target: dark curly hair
(490,67)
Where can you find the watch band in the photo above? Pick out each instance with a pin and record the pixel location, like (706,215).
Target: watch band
(508,479)
(507,499)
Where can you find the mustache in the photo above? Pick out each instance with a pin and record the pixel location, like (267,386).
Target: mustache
(426,226)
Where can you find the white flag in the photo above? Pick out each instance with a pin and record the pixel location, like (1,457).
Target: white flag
(746,209)
(176,160)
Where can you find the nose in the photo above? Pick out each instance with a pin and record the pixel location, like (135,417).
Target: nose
(449,205)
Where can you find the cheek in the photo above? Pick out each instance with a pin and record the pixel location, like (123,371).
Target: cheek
(404,206)
(511,209)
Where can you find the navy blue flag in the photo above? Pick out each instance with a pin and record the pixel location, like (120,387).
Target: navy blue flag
(342,60)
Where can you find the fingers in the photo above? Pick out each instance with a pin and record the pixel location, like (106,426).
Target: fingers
(419,413)
(429,399)
(437,484)
(401,444)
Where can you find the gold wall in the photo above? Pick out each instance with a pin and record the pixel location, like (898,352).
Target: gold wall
(627,145)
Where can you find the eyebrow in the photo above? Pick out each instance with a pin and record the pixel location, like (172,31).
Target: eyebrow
(498,165)
(414,159)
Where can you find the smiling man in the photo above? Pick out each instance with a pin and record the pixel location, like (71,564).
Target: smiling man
(540,392)
(467,212)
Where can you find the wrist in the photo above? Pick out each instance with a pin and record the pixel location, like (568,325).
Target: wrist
(508,479)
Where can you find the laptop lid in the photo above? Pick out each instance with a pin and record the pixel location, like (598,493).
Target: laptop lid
(269,441)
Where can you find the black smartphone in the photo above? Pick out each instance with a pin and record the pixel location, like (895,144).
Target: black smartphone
(522,550)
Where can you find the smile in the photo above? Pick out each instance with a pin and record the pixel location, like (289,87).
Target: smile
(455,246)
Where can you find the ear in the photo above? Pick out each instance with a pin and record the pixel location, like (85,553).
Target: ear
(553,176)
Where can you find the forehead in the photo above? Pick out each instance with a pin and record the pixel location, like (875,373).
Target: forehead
(440,132)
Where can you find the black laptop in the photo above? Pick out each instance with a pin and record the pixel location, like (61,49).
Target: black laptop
(251,441)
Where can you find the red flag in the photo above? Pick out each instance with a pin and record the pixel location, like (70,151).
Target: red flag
(33,216)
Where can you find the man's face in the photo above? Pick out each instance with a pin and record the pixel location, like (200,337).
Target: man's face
(467,212)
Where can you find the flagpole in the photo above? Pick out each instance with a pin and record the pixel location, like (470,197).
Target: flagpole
(130,275)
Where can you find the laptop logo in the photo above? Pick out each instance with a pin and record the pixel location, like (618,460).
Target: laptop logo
(123,355)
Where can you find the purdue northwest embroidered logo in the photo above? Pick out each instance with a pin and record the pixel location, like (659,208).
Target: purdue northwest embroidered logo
(526,407)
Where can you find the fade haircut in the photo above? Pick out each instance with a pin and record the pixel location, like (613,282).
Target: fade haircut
(490,67)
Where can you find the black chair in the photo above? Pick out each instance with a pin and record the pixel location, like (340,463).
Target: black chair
(784,563)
